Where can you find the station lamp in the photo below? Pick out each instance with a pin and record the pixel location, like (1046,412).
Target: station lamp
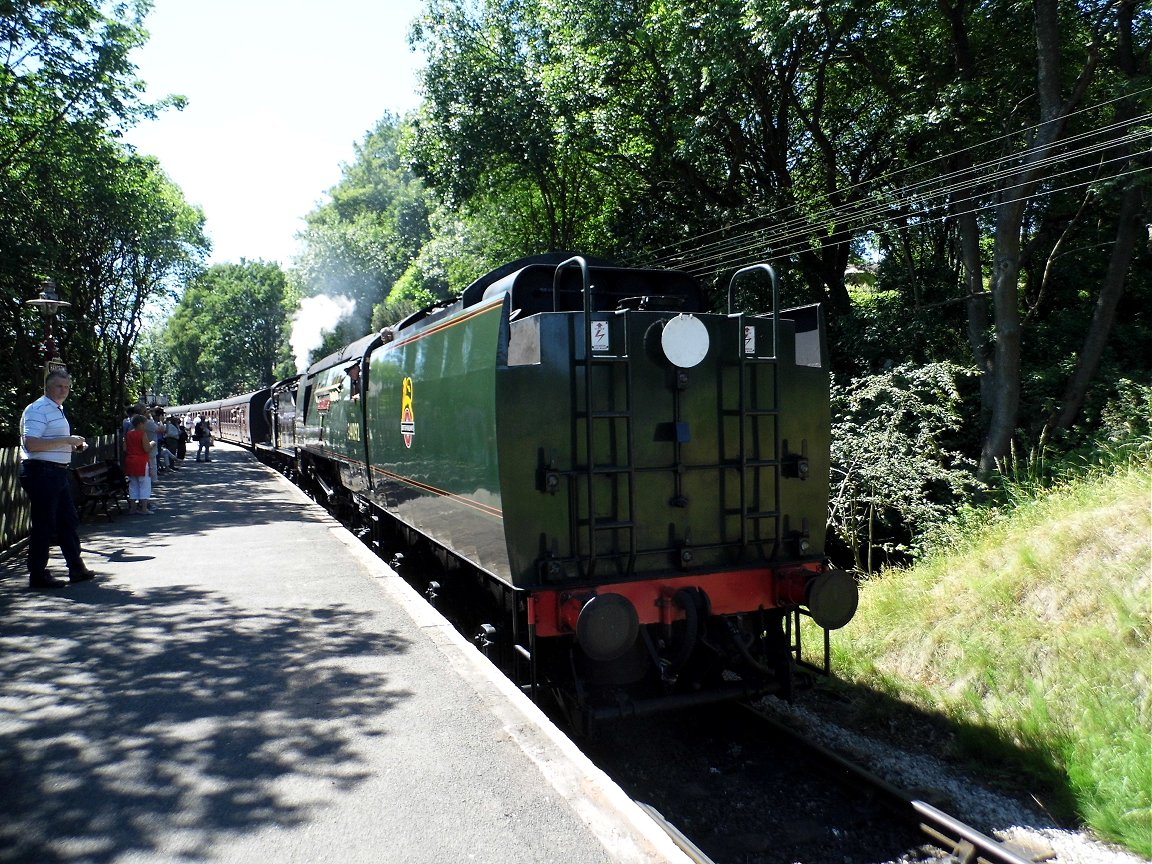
(48,303)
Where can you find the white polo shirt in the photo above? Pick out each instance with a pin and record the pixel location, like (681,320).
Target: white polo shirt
(45,419)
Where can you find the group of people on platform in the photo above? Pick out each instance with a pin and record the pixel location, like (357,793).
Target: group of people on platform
(155,443)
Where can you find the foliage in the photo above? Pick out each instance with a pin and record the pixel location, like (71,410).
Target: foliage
(1119,439)
(1126,421)
(362,241)
(227,335)
(76,206)
(505,133)
(1003,633)
(893,475)
(459,250)
(883,329)
(66,63)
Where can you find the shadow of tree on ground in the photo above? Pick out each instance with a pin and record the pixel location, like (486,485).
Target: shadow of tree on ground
(127,718)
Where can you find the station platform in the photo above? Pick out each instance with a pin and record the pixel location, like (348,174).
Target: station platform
(244,681)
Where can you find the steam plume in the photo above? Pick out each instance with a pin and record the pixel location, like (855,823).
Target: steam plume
(315,317)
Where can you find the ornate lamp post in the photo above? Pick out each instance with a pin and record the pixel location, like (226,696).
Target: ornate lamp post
(48,304)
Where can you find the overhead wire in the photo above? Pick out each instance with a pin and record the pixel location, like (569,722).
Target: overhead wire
(903,202)
(760,257)
(797,235)
(916,199)
(948,156)
(974,179)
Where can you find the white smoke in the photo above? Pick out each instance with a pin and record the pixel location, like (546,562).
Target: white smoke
(315,317)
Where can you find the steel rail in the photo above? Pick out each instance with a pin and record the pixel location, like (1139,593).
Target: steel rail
(678,837)
(964,843)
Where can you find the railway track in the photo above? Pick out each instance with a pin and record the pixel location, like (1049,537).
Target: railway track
(734,786)
(694,852)
(739,797)
(962,842)
(958,841)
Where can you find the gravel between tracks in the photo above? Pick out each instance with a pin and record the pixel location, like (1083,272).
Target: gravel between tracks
(908,767)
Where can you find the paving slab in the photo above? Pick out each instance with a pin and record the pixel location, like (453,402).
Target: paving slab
(246,682)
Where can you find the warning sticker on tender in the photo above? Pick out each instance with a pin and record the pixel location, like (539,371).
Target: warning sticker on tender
(600,337)
(407,418)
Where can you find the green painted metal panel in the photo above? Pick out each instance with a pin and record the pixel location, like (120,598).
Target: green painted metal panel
(431,413)
(688,463)
(332,426)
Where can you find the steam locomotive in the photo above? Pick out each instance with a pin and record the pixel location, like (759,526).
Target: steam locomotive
(633,489)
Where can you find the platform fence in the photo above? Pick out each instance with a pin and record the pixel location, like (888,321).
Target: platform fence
(15,522)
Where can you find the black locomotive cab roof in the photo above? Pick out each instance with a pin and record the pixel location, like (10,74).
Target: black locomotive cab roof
(348,354)
(290,383)
(423,317)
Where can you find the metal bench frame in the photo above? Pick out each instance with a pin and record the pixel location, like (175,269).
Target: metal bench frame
(98,490)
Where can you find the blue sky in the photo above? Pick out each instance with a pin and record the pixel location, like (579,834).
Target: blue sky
(278,93)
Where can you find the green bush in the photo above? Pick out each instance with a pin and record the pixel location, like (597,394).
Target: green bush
(894,477)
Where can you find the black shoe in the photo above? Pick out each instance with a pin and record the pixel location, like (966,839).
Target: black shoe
(46,582)
(82,576)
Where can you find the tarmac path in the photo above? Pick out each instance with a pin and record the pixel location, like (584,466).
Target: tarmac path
(244,682)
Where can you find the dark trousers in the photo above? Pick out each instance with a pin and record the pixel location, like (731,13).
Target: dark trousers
(54,515)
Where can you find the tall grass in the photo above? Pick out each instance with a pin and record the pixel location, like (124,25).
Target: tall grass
(1032,633)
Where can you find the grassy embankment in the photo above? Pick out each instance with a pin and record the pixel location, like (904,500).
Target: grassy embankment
(1031,635)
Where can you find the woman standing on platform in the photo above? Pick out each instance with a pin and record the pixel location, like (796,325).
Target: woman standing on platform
(138,447)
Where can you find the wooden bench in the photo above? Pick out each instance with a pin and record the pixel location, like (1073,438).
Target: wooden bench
(100,485)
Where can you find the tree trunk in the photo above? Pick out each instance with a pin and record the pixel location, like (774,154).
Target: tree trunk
(1105,314)
(967,223)
(1005,386)
(1127,232)
(977,304)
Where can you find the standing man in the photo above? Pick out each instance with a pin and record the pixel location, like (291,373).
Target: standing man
(46,445)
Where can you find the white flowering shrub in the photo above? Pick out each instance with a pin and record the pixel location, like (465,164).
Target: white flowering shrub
(893,476)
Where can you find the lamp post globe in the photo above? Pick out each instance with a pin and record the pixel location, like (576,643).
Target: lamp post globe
(48,303)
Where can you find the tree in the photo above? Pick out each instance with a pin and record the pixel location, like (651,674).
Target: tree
(366,237)
(127,240)
(1054,109)
(736,132)
(1132,62)
(75,205)
(65,63)
(227,334)
(894,475)
(505,132)
(114,234)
